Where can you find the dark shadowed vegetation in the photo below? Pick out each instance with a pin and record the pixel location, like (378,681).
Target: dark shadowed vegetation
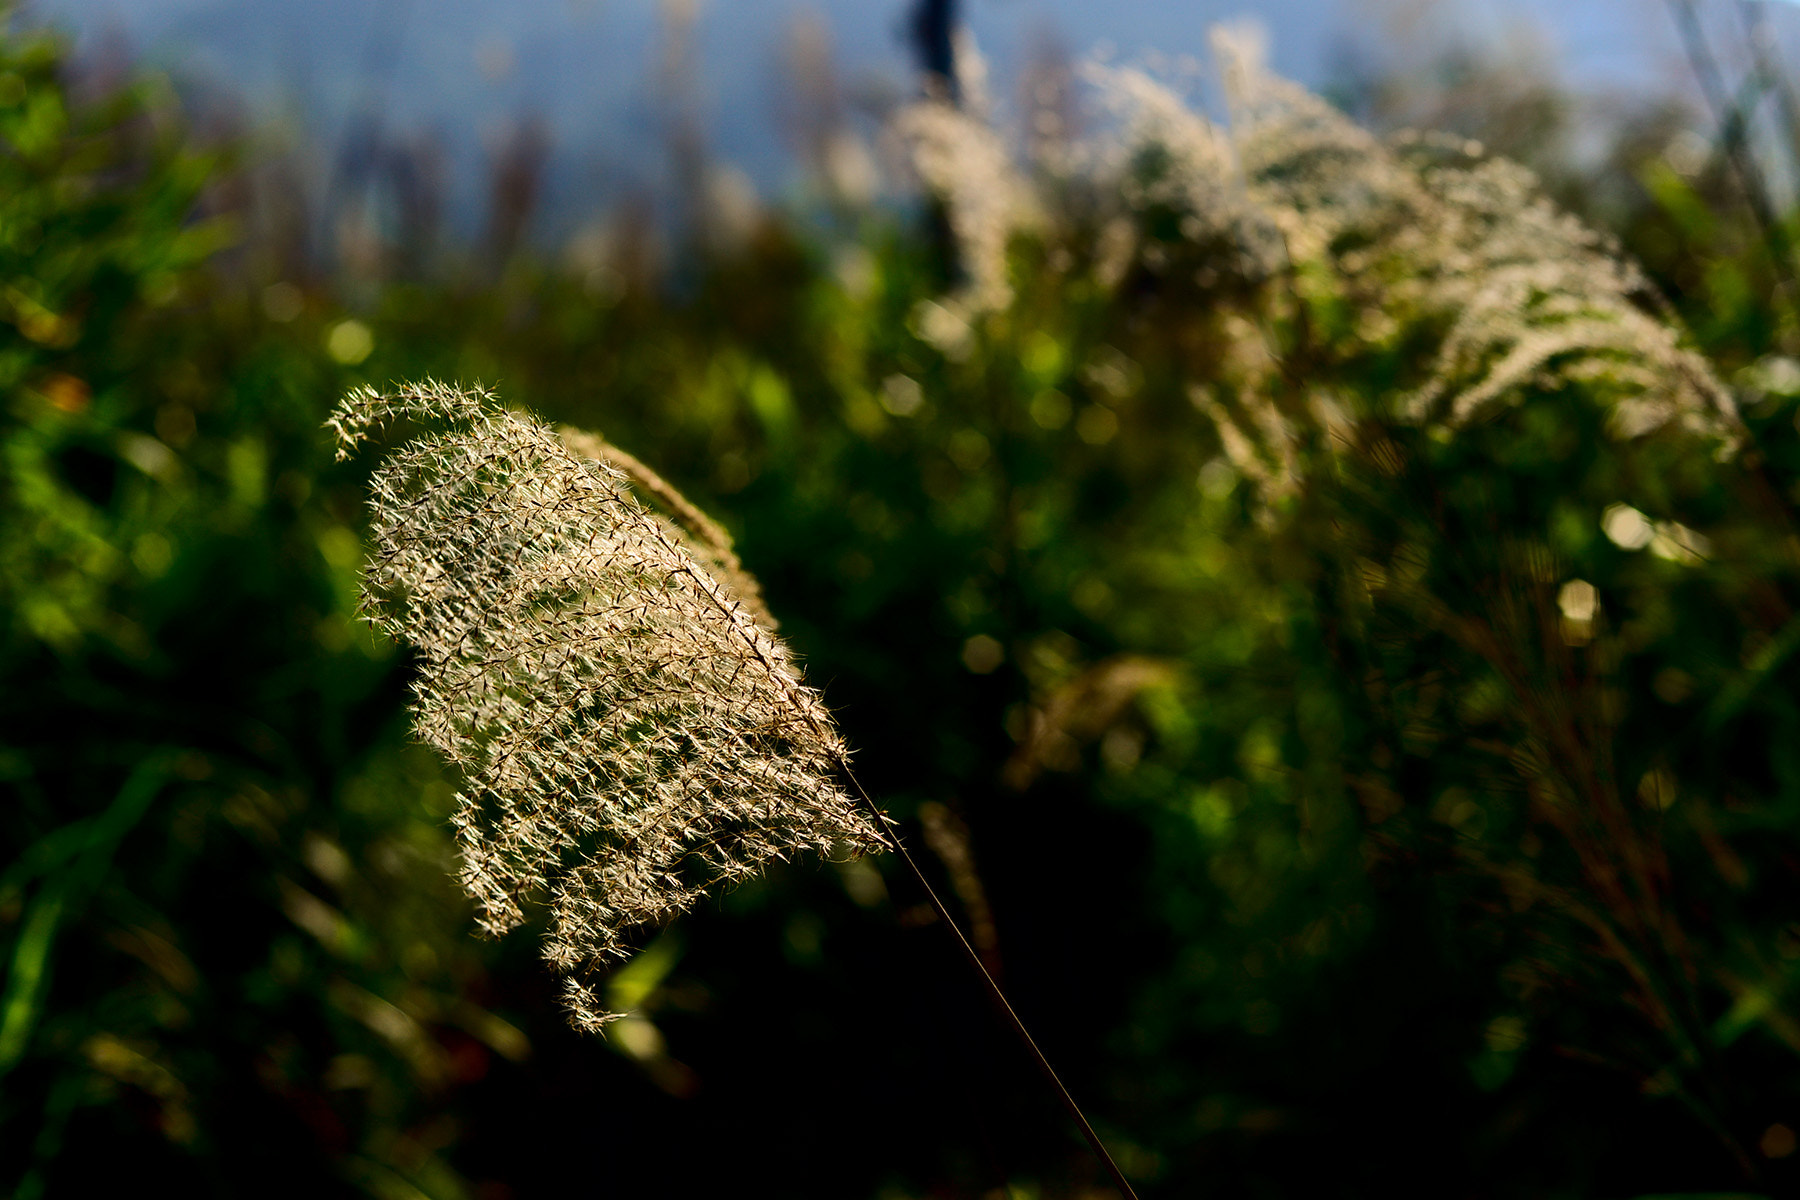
(1321,600)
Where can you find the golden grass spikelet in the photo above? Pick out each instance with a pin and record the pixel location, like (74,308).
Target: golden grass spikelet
(628,734)
(700,535)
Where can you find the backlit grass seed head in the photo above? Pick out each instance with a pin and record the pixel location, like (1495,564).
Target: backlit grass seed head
(963,161)
(628,734)
(1420,235)
(1532,298)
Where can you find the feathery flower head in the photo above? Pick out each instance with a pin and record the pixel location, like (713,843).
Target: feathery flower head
(628,733)
(1419,235)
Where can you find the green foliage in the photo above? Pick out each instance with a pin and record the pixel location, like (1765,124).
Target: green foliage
(1384,804)
(227,877)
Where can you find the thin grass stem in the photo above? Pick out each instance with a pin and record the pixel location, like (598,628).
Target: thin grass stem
(993,989)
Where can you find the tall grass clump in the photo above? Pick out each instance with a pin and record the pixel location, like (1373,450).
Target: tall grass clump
(1331,624)
(1483,552)
(628,733)
(1419,526)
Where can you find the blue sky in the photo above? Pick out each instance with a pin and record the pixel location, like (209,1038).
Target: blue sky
(462,68)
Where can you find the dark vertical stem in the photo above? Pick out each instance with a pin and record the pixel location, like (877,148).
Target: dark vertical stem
(993,989)
(933,23)
(931,29)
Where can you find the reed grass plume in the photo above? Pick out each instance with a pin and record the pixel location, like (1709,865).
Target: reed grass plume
(628,734)
(962,159)
(1421,242)
(1423,234)
(699,534)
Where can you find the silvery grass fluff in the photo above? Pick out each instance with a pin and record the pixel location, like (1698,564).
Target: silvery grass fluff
(628,734)
(1426,243)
